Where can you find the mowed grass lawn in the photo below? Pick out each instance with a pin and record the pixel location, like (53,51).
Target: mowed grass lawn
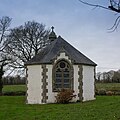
(103,108)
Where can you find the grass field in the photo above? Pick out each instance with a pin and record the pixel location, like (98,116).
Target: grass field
(99,86)
(103,108)
(108,86)
(14,88)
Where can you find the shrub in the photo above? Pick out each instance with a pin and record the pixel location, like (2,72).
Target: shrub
(17,93)
(102,92)
(117,93)
(65,96)
(109,93)
(96,92)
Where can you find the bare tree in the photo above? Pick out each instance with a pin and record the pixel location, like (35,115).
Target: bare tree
(4,26)
(98,75)
(24,42)
(116,77)
(113,5)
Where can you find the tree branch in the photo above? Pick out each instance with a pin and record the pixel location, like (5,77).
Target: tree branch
(114,6)
(114,9)
(115,25)
(93,5)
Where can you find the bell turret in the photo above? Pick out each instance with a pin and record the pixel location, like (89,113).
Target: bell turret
(52,35)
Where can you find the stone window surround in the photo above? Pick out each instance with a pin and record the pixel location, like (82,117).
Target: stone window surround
(53,74)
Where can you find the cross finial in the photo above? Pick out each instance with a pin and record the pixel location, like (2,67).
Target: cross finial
(52,35)
(52,28)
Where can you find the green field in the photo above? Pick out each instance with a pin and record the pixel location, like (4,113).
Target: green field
(14,88)
(103,108)
(108,86)
(99,86)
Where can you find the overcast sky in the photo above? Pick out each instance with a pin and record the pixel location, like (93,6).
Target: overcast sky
(82,26)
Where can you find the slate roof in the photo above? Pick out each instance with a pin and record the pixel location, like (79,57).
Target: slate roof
(49,53)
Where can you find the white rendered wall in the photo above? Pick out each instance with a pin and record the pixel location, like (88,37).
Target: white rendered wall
(34,84)
(51,95)
(88,83)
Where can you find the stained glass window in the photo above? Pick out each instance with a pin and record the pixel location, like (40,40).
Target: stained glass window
(62,75)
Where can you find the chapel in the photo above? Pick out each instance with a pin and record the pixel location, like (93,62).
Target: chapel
(59,66)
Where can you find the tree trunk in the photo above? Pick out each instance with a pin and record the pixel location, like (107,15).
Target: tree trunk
(1,83)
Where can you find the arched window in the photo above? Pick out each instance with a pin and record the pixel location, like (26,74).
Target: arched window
(62,75)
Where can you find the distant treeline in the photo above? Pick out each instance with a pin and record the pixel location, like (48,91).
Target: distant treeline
(13,80)
(108,77)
